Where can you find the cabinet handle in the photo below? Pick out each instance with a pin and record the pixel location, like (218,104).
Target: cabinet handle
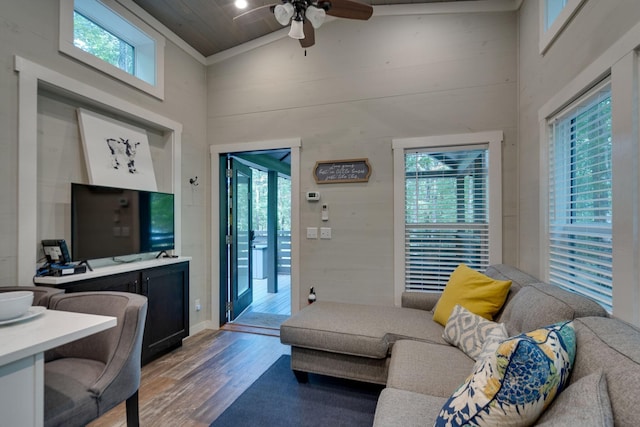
(145,287)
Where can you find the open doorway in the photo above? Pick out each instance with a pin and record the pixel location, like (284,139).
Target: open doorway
(256,214)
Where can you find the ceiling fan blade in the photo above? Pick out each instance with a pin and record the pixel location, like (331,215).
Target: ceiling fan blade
(255,10)
(309,35)
(348,9)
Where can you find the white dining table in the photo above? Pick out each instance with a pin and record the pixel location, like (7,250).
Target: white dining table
(22,347)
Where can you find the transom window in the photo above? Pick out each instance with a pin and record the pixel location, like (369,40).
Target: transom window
(552,10)
(92,38)
(113,41)
(554,16)
(580,197)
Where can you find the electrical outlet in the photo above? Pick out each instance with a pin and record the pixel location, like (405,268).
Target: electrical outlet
(325,233)
(198,306)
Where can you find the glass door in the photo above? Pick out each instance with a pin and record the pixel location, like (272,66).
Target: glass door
(241,239)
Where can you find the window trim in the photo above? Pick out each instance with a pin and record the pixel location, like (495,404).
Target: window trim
(494,140)
(549,35)
(144,51)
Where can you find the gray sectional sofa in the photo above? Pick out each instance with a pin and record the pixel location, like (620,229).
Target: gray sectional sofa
(402,348)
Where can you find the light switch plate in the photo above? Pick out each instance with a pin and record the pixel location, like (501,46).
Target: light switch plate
(312,232)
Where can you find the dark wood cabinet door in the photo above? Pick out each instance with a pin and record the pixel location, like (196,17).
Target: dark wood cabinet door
(167,292)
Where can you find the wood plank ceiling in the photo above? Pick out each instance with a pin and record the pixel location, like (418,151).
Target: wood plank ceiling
(208,25)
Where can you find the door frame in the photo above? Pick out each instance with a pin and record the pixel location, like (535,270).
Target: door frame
(218,277)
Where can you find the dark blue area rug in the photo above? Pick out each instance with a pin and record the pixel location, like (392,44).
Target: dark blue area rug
(277,399)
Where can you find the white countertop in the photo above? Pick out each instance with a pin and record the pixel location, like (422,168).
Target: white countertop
(46,331)
(109,270)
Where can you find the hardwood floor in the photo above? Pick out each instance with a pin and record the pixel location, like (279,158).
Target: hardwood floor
(272,303)
(267,310)
(194,384)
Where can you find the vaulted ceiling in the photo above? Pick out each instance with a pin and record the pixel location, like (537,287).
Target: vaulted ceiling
(208,25)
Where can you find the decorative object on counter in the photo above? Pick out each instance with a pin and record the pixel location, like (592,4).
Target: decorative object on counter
(312,295)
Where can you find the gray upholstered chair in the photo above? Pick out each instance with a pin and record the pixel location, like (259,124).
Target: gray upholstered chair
(41,294)
(86,378)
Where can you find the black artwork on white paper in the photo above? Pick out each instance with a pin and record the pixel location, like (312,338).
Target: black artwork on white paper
(123,150)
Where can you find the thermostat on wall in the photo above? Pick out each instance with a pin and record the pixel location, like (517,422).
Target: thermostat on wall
(313,196)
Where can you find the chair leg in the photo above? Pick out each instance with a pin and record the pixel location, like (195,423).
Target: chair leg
(133,419)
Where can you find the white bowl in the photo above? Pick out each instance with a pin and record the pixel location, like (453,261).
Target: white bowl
(14,304)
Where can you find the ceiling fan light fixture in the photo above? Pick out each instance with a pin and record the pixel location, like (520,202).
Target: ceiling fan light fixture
(316,16)
(297,30)
(241,4)
(283,13)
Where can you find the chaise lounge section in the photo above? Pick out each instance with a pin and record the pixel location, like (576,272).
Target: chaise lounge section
(403,348)
(357,341)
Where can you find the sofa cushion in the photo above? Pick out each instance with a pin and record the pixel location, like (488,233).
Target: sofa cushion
(356,329)
(613,346)
(584,403)
(406,408)
(468,331)
(540,304)
(427,368)
(473,290)
(518,383)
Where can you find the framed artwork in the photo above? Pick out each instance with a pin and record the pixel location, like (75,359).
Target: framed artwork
(116,154)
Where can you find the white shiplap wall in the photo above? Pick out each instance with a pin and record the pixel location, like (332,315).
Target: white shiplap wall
(361,85)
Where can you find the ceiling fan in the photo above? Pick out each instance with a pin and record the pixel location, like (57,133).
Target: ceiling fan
(306,16)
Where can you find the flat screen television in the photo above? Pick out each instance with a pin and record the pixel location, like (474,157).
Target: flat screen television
(109,222)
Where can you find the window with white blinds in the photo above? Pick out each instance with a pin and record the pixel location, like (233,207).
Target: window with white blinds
(446,214)
(580,197)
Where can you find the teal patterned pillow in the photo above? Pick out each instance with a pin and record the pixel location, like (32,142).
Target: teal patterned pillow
(515,385)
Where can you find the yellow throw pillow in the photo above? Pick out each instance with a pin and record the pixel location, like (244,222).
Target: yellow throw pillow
(474,291)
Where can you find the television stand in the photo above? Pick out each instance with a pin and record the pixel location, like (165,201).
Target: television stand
(165,283)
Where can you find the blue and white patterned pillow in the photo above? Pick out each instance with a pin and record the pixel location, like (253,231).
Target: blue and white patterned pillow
(515,385)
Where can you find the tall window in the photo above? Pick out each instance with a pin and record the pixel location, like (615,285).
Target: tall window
(112,40)
(447,207)
(446,215)
(580,197)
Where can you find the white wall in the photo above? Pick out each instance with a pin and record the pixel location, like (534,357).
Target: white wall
(361,85)
(30,29)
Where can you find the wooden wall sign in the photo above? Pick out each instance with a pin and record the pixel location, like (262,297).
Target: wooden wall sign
(339,171)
